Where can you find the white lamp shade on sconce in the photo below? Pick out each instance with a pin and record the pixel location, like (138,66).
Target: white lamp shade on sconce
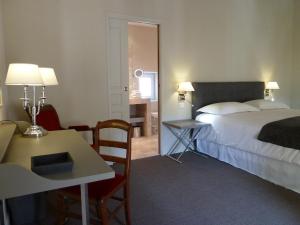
(23,74)
(185,87)
(272,85)
(48,76)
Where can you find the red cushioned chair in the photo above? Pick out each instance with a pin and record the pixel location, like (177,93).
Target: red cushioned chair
(48,119)
(100,192)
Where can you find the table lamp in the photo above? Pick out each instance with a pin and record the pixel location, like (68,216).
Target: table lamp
(29,75)
(49,79)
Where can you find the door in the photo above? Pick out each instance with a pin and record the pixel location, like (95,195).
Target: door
(117,53)
(118,68)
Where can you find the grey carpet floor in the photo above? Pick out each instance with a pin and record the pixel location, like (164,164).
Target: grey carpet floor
(204,191)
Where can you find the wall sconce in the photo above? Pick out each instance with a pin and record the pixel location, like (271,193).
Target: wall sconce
(182,90)
(30,75)
(272,85)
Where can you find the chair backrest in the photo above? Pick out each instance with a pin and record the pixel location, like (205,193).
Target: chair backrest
(48,118)
(115,124)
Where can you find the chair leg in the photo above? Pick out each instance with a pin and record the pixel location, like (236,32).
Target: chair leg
(127,204)
(62,210)
(103,212)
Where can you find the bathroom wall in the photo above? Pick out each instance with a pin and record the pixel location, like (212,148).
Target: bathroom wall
(142,50)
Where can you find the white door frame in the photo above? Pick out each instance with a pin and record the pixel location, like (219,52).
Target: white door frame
(142,20)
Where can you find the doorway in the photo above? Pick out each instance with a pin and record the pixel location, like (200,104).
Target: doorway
(143,71)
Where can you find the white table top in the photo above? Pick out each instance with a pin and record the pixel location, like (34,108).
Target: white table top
(17,179)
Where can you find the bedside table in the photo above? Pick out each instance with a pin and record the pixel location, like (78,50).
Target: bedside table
(186,132)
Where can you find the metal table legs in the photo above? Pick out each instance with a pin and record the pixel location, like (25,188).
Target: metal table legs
(185,137)
(5,213)
(85,204)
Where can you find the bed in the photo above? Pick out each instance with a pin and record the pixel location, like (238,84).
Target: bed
(233,139)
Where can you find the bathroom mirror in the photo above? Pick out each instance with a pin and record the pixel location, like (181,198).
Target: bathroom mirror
(138,73)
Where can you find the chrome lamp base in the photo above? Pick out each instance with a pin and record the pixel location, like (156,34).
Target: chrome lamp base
(35,131)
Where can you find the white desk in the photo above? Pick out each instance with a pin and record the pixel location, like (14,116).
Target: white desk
(17,179)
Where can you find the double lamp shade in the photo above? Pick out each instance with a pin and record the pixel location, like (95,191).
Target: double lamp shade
(30,75)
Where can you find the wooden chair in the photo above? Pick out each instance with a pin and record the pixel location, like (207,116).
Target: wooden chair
(102,191)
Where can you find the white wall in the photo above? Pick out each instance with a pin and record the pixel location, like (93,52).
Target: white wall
(233,40)
(201,40)
(2,69)
(241,40)
(70,35)
(296,74)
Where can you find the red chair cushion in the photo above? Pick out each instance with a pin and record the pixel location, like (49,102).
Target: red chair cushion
(48,118)
(98,189)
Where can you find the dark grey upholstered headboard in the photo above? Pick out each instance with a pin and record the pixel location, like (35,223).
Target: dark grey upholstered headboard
(213,92)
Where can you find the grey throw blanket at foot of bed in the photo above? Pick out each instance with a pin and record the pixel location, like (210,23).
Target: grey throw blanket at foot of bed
(285,133)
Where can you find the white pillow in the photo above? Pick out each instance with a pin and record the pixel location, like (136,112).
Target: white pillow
(224,108)
(267,104)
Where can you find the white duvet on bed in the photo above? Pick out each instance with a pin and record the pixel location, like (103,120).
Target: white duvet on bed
(240,130)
